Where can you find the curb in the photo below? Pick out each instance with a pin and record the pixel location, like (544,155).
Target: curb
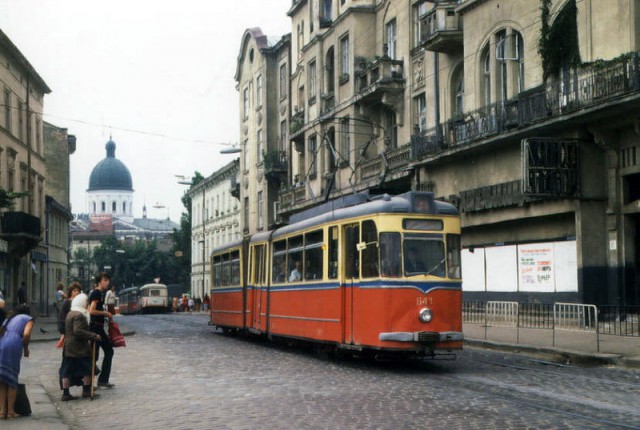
(557,355)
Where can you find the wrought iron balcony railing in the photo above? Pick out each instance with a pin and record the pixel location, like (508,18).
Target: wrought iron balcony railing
(19,224)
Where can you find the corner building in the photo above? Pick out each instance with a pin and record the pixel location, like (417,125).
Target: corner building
(522,113)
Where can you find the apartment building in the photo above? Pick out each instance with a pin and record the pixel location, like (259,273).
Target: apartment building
(523,113)
(22,170)
(215,220)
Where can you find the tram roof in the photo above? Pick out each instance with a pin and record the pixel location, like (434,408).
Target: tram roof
(401,203)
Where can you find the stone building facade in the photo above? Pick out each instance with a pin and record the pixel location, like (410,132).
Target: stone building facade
(22,170)
(535,142)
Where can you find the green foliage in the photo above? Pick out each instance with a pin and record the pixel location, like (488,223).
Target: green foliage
(558,45)
(7,197)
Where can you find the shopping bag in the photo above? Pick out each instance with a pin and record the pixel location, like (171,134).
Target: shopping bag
(22,405)
(115,335)
(60,343)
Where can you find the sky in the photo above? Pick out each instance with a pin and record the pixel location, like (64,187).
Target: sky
(155,75)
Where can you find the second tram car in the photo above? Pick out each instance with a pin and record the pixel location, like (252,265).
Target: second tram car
(153,298)
(380,275)
(128,301)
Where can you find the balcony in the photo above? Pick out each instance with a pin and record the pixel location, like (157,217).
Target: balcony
(21,230)
(276,165)
(297,125)
(378,79)
(441,28)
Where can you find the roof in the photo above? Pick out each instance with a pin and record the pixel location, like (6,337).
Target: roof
(110,173)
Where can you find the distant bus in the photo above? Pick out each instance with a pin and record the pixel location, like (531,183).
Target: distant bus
(153,298)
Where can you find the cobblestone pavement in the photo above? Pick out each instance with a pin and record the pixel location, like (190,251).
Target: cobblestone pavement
(176,373)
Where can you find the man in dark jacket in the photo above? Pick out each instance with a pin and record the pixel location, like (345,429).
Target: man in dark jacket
(98,315)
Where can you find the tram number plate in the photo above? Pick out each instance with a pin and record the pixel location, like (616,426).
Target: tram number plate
(421,301)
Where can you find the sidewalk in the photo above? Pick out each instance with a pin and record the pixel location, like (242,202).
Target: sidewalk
(570,347)
(44,412)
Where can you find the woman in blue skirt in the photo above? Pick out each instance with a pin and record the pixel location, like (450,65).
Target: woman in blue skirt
(15,335)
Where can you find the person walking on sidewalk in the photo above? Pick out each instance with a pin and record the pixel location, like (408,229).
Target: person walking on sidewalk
(110,300)
(98,315)
(76,363)
(15,335)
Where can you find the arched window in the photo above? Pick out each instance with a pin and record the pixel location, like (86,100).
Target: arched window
(94,207)
(330,70)
(124,207)
(113,206)
(520,52)
(485,61)
(103,207)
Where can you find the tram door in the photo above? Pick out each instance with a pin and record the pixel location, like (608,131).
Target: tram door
(259,287)
(351,236)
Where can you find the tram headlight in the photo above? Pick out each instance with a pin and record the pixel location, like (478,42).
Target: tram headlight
(425,315)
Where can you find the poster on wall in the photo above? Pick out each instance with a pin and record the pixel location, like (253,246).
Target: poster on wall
(566,266)
(536,267)
(502,271)
(473,276)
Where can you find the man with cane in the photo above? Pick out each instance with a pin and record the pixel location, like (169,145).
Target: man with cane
(98,315)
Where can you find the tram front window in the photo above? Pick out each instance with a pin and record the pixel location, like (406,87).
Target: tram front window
(424,256)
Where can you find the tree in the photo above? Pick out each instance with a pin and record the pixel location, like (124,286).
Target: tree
(7,197)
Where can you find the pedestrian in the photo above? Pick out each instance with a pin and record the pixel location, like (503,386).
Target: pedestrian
(198,304)
(77,352)
(185,303)
(174,304)
(205,302)
(191,304)
(22,294)
(72,291)
(110,300)
(15,335)
(98,315)
(60,296)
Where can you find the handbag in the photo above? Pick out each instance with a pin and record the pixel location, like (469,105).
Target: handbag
(22,405)
(115,335)
(60,343)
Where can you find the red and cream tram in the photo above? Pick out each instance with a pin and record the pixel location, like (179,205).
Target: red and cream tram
(363,274)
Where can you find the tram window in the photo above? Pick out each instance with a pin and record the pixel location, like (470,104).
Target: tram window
(258,265)
(313,255)
(226,270)
(279,268)
(370,253)
(453,256)
(423,256)
(295,256)
(351,255)
(333,252)
(217,268)
(235,268)
(390,254)
(423,203)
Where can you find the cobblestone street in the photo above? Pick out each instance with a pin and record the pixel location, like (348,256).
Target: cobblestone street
(175,373)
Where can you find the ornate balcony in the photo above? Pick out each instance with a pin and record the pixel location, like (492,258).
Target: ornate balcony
(379,80)
(297,126)
(441,28)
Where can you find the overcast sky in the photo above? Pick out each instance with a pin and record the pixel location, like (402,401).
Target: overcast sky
(157,75)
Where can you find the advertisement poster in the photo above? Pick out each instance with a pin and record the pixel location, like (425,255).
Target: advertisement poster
(536,267)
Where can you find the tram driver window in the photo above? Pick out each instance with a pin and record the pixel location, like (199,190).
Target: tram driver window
(390,255)
(370,253)
(423,256)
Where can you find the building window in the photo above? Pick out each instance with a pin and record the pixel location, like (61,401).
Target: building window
(330,71)
(327,11)
(485,59)
(260,146)
(283,81)
(391,128)
(21,121)
(245,102)
(312,82)
(259,91)
(283,135)
(345,141)
(247,151)
(421,112)
(260,211)
(7,110)
(313,147)
(344,57)
(457,83)
(124,207)
(391,39)
(420,19)
(103,207)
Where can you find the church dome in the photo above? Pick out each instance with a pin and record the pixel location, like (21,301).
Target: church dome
(110,173)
